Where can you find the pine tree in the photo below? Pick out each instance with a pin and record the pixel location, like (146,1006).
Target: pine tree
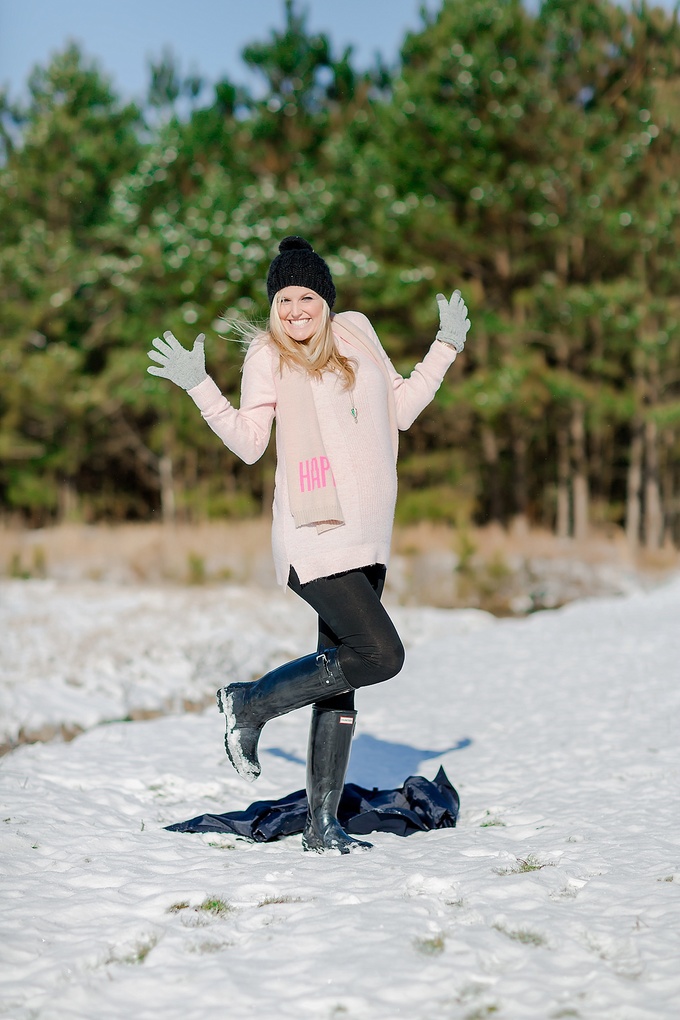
(57,287)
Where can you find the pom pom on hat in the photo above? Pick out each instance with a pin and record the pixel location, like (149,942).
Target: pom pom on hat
(295,243)
(298,265)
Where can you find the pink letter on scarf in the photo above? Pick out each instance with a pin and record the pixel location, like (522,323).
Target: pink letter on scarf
(304,476)
(325,468)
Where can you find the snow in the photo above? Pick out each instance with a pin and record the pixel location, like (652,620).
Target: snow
(558,894)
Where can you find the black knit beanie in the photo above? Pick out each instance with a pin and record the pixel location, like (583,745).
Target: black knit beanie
(298,265)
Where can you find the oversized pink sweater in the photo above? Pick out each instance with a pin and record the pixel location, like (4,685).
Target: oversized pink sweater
(360,450)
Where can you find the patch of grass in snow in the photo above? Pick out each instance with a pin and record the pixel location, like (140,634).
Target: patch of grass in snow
(209,947)
(481,1012)
(523,935)
(176,907)
(430,947)
(213,905)
(490,821)
(268,900)
(138,954)
(143,950)
(564,1013)
(474,990)
(210,905)
(524,864)
(570,892)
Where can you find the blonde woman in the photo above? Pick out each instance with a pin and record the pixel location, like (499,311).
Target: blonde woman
(338,404)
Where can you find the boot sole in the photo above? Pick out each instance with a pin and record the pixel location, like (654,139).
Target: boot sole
(346,848)
(313,843)
(232,744)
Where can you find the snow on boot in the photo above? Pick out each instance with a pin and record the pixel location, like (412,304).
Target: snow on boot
(330,741)
(248,706)
(240,740)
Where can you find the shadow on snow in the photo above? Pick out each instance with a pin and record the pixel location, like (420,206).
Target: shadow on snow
(380,763)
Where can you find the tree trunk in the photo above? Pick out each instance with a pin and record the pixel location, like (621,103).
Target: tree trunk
(669,502)
(502,263)
(562,263)
(581,503)
(68,503)
(563,521)
(167,489)
(580,472)
(519,482)
(578,247)
(599,450)
(653,521)
(633,501)
(491,459)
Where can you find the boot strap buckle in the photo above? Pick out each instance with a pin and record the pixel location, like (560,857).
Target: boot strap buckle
(322,663)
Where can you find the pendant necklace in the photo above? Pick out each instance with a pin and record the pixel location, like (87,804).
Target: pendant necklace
(353,411)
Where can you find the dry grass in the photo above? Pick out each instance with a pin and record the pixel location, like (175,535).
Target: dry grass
(150,553)
(515,570)
(506,571)
(521,540)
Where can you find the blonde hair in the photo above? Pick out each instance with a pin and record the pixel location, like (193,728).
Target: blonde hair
(318,355)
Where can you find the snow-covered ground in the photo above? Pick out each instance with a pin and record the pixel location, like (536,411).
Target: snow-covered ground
(558,894)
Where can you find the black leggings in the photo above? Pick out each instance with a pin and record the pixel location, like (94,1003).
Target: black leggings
(353,619)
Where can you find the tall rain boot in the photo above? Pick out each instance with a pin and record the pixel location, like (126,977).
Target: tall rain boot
(248,706)
(330,740)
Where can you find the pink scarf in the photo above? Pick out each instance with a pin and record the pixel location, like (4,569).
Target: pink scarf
(312,493)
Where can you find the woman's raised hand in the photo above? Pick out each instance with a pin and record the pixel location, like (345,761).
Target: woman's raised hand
(184,368)
(453,321)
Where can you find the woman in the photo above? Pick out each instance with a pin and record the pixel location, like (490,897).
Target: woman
(338,403)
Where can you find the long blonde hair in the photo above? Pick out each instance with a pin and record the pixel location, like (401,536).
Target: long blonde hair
(318,355)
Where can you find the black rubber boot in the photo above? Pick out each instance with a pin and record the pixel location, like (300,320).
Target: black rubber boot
(330,741)
(248,706)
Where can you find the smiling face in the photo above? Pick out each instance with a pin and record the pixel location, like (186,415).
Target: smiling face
(300,311)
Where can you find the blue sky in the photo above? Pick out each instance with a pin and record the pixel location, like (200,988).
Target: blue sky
(207,36)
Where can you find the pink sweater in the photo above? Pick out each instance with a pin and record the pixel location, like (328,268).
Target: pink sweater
(360,451)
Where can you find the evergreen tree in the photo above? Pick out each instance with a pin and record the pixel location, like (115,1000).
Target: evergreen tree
(57,284)
(529,157)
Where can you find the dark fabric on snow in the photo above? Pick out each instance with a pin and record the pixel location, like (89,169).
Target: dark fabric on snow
(419,805)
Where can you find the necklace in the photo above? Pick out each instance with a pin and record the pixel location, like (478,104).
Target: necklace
(353,410)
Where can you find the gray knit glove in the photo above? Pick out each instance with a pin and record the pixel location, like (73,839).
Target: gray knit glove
(453,321)
(184,368)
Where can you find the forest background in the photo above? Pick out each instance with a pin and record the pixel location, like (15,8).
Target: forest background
(529,157)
